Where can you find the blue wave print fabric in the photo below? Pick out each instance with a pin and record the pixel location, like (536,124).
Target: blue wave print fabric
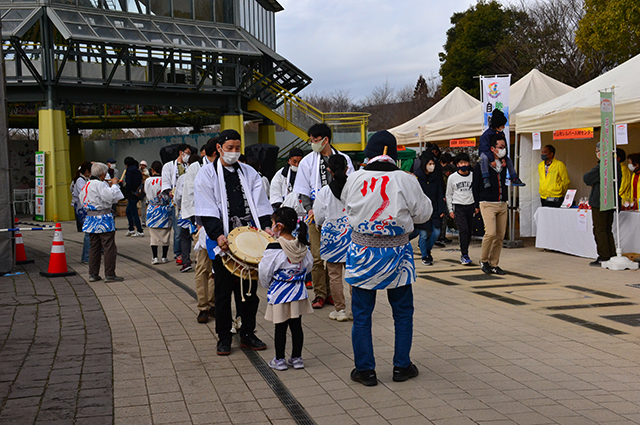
(335,238)
(380,268)
(386,227)
(286,286)
(185,223)
(99,223)
(159,216)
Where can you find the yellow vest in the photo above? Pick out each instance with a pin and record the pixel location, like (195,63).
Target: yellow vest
(556,182)
(625,182)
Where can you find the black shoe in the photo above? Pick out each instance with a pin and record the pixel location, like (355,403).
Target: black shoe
(439,244)
(447,241)
(486,268)
(253,342)
(94,278)
(517,182)
(212,312)
(203,316)
(401,374)
(497,270)
(596,263)
(224,346)
(427,262)
(366,377)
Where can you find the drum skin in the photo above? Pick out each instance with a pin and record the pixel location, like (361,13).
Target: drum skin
(246,247)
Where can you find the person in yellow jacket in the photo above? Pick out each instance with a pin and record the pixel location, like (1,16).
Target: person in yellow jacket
(634,179)
(625,177)
(554,179)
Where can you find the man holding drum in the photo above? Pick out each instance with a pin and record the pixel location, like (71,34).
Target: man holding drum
(229,194)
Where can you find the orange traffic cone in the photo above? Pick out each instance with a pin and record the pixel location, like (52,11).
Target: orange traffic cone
(58,259)
(21,254)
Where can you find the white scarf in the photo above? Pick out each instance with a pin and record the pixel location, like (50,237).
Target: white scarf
(223,197)
(316,171)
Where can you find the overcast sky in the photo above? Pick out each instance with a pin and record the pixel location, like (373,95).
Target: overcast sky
(358,45)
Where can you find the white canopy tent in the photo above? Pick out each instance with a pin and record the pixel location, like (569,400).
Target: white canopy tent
(531,90)
(452,104)
(576,109)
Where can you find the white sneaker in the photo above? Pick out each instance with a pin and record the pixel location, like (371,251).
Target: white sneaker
(333,315)
(155,260)
(137,235)
(164,260)
(130,232)
(278,364)
(340,316)
(296,362)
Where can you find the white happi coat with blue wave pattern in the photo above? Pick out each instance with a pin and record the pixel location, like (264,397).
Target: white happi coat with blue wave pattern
(285,280)
(335,235)
(96,195)
(383,203)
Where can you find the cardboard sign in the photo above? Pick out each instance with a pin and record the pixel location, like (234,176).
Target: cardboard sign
(573,133)
(459,143)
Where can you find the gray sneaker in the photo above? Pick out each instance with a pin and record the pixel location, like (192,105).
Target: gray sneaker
(278,364)
(94,278)
(296,362)
(113,279)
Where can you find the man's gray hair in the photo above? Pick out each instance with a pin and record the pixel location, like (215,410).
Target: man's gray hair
(598,146)
(98,169)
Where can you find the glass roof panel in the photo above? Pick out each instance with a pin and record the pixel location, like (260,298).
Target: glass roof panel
(97,20)
(68,16)
(179,40)
(231,34)
(211,32)
(81,30)
(9,26)
(245,47)
(156,37)
(107,32)
(168,27)
(190,30)
(120,22)
(201,42)
(131,35)
(17,14)
(144,25)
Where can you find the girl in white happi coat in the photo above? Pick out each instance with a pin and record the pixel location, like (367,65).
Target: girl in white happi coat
(335,235)
(285,178)
(159,213)
(282,270)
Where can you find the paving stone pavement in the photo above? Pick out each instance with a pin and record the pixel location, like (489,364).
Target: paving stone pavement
(553,342)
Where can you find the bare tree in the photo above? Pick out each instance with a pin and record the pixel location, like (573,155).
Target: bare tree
(381,95)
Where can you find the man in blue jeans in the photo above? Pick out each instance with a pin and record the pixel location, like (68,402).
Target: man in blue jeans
(383,203)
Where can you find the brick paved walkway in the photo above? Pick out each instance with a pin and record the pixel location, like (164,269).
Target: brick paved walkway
(552,342)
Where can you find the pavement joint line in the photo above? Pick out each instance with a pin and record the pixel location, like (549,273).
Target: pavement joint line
(591,325)
(298,412)
(595,292)
(500,298)
(593,305)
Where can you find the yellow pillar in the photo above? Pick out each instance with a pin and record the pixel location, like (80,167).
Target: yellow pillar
(53,140)
(267,132)
(233,122)
(76,151)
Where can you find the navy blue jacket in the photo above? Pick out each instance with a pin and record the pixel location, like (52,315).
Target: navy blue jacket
(497,192)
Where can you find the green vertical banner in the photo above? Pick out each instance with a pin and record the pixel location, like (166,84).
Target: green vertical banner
(607,191)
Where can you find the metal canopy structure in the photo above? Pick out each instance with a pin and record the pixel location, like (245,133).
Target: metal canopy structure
(70,55)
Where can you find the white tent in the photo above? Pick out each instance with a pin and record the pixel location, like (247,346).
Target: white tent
(576,109)
(531,90)
(452,104)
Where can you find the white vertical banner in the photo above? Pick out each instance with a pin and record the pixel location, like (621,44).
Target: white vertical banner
(495,95)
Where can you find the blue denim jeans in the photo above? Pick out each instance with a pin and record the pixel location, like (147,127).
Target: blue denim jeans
(363,302)
(86,244)
(426,241)
(132,215)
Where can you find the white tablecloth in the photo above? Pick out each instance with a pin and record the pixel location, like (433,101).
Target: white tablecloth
(558,230)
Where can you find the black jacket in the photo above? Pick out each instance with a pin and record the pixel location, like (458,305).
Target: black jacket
(592,178)
(497,192)
(431,185)
(132,181)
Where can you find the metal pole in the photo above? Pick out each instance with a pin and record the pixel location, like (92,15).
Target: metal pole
(7,256)
(615,170)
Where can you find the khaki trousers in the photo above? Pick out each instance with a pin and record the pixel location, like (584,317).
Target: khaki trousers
(205,284)
(336,283)
(318,272)
(494,215)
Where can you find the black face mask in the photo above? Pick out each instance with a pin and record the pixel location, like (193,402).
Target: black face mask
(544,157)
(463,169)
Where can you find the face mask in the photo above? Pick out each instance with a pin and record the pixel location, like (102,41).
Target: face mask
(185,158)
(598,155)
(317,147)
(293,168)
(111,166)
(543,157)
(431,168)
(230,157)
(632,168)
(502,152)
(464,168)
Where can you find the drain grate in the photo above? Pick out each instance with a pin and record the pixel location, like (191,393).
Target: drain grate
(584,323)
(627,319)
(596,292)
(438,280)
(595,305)
(500,298)
(478,277)
(508,285)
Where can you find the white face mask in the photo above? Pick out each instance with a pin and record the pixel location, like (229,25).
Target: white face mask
(502,152)
(317,147)
(185,158)
(631,167)
(431,168)
(111,166)
(293,168)
(598,154)
(230,158)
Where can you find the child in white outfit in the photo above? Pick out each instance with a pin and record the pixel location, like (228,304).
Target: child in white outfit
(335,235)
(282,270)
